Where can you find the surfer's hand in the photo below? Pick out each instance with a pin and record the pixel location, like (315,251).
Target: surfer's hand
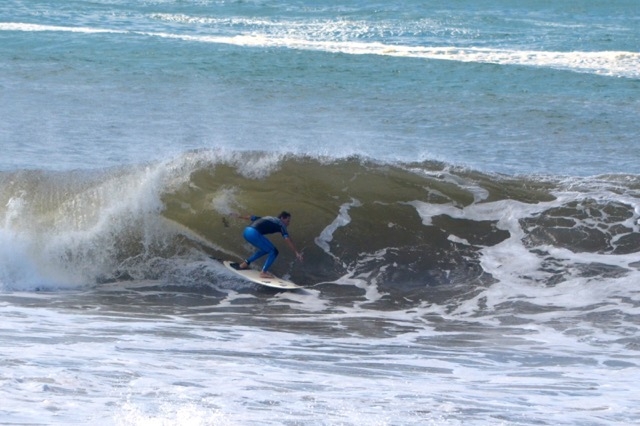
(299,256)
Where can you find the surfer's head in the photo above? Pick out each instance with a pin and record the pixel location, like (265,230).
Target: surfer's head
(285,217)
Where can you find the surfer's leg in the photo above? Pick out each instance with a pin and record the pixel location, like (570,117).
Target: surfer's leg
(257,255)
(261,242)
(272,258)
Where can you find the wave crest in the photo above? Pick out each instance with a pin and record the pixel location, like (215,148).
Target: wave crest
(406,227)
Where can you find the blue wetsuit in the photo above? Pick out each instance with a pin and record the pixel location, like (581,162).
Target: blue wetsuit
(255,234)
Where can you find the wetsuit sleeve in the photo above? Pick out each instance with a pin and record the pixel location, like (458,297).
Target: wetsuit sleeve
(285,233)
(254,218)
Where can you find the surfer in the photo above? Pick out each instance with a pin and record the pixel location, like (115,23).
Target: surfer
(255,235)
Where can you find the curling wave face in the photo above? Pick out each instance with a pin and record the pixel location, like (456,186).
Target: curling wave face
(410,229)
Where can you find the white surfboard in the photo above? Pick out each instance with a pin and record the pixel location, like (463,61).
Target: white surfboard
(254,276)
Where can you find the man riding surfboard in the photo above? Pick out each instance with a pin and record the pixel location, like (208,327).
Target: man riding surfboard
(255,235)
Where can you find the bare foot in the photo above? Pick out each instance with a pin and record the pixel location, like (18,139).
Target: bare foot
(266,275)
(243,265)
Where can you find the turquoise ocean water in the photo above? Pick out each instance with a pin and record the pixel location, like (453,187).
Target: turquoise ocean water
(464,180)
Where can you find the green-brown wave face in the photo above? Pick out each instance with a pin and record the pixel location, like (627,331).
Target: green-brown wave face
(408,227)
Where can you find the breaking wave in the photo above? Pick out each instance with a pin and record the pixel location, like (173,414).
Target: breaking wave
(608,63)
(413,230)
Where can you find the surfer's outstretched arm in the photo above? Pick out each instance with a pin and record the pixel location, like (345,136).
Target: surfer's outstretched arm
(293,247)
(241,216)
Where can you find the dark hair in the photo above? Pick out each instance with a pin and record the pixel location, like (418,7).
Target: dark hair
(284,215)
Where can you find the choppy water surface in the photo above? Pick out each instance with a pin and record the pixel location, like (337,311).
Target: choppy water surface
(463,181)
